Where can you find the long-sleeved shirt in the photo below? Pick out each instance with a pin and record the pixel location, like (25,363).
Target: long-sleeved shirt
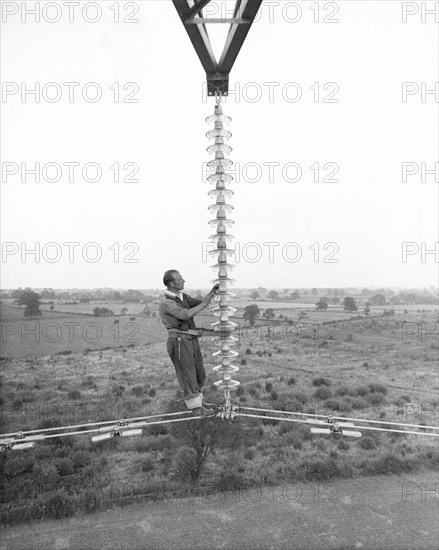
(174,312)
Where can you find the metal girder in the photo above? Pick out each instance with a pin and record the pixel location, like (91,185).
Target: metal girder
(237,34)
(217,73)
(196,8)
(198,36)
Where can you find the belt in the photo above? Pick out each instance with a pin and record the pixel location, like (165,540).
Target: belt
(189,334)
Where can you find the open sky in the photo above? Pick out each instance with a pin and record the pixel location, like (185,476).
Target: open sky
(344,87)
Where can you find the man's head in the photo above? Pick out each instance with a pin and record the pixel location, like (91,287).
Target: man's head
(173,280)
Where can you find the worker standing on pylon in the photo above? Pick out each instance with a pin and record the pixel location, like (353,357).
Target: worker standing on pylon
(177,311)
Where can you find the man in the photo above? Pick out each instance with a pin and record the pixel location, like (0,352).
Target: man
(177,312)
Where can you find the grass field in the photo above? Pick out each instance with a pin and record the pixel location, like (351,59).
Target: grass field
(382,368)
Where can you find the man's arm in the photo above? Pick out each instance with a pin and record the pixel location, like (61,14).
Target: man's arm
(185,314)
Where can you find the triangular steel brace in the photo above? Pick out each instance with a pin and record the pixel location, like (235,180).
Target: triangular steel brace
(217,73)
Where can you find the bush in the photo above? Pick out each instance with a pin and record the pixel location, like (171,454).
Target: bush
(74,395)
(59,504)
(291,381)
(349,338)
(240,391)
(138,391)
(243,362)
(64,466)
(376,399)
(367,443)
(321,381)
(231,480)
(332,404)
(274,396)
(147,465)
(362,390)
(343,445)
(16,465)
(185,464)
(248,351)
(253,391)
(268,387)
(323,392)
(157,429)
(358,403)
(378,388)
(152,392)
(80,459)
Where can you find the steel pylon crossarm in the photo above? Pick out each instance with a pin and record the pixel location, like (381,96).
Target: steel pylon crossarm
(217,73)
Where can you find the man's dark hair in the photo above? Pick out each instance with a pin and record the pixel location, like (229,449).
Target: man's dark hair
(168,277)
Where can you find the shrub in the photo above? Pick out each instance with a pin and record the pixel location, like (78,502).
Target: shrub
(358,403)
(231,480)
(152,392)
(248,351)
(243,362)
(64,466)
(268,387)
(332,404)
(376,399)
(80,459)
(59,504)
(74,394)
(291,381)
(147,465)
(378,388)
(138,391)
(362,390)
(323,392)
(349,338)
(240,391)
(16,465)
(367,443)
(157,429)
(343,445)
(274,396)
(185,464)
(321,381)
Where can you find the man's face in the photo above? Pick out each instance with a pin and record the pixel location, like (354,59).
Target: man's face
(178,282)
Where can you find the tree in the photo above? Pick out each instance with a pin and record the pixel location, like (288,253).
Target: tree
(367,309)
(250,314)
(378,300)
(52,307)
(33,310)
(325,299)
(295,295)
(31,300)
(335,300)
(84,299)
(314,292)
(349,304)
(255,295)
(321,305)
(269,314)
(273,295)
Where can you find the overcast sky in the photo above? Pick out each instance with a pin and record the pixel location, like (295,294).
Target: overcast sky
(318,85)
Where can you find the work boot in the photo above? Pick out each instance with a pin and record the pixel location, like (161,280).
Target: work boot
(201,411)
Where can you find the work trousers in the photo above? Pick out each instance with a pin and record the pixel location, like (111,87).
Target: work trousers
(185,354)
